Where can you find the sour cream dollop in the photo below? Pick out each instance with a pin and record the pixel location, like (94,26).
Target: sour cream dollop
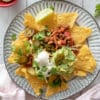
(43,58)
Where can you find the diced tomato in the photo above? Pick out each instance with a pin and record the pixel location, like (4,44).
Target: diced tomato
(67,34)
(63,42)
(62,29)
(59,42)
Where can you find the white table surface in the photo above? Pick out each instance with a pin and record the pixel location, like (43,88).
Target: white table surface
(8,13)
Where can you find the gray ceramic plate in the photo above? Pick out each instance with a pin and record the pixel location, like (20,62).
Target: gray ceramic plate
(84,19)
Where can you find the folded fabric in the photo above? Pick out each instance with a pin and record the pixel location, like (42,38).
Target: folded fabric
(8,90)
(92,94)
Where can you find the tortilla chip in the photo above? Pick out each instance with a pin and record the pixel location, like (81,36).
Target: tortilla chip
(67,19)
(80,73)
(12,58)
(85,61)
(21,71)
(22,36)
(52,90)
(36,83)
(80,34)
(29,21)
(68,77)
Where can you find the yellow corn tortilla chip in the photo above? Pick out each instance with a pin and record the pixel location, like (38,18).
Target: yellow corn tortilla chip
(34,81)
(12,58)
(85,61)
(80,73)
(29,21)
(68,77)
(19,72)
(17,45)
(52,90)
(80,34)
(22,36)
(67,19)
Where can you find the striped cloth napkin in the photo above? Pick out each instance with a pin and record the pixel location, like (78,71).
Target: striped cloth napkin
(8,90)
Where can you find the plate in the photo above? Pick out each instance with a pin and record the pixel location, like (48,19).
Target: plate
(84,19)
(6,4)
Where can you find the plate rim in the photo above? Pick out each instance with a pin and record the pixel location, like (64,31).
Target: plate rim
(65,1)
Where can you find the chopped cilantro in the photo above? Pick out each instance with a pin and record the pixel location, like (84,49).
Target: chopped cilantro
(97,10)
(48,33)
(19,52)
(54,70)
(42,34)
(16,60)
(28,49)
(44,69)
(56,82)
(21,59)
(39,36)
(40,75)
(27,43)
(46,28)
(51,7)
(13,37)
(41,91)
(35,48)
(27,46)
(35,65)
(71,56)
(13,48)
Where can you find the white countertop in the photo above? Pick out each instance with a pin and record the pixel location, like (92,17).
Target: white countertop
(8,13)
